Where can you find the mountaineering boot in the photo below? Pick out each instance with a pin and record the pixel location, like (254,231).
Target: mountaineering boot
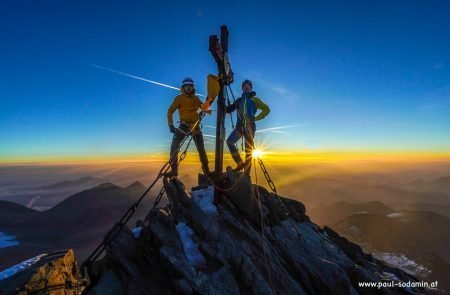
(239,167)
(171,174)
(205,167)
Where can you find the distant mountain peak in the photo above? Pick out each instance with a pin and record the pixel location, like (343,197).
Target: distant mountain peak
(418,181)
(137,184)
(106,185)
(443,180)
(90,178)
(84,181)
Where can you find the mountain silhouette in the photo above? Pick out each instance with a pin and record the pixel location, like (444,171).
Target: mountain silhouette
(330,214)
(441,184)
(442,209)
(316,191)
(12,213)
(78,222)
(422,236)
(45,197)
(84,181)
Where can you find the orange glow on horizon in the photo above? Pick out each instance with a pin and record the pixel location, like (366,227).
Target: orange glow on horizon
(272,156)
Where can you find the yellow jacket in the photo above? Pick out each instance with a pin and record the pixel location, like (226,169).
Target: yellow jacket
(187,106)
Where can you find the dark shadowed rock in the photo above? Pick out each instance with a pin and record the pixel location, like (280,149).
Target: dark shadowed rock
(192,247)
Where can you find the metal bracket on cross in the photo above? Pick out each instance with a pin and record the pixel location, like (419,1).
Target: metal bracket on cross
(219,50)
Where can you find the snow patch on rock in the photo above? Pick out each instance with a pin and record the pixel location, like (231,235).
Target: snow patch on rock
(402,262)
(137,231)
(7,240)
(9,272)
(390,276)
(395,215)
(189,246)
(204,199)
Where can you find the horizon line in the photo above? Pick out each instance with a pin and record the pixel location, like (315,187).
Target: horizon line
(281,156)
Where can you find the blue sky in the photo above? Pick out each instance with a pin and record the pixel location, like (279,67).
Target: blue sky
(372,76)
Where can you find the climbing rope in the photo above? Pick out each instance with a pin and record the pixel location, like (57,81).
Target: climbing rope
(229,188)
(238,114)
(228,104)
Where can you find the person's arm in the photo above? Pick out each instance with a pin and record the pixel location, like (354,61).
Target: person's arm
(260,105)
(204,107)
(173,107)
(231,108)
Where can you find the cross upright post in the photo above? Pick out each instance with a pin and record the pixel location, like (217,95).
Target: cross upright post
(219,50)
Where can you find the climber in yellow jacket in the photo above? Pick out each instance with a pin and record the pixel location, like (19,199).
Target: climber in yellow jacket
(188,105)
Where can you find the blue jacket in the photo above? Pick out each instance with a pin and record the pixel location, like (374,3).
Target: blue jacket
(247,106)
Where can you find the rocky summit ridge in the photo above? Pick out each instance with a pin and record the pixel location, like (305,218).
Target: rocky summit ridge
(245,245)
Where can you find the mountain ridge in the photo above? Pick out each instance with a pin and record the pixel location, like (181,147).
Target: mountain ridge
(241,246)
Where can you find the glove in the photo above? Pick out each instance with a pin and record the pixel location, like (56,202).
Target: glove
(172,129)
(248,94)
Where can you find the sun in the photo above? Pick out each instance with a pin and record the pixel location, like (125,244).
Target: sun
(257,153)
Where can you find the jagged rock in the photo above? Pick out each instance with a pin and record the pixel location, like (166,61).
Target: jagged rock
(57,273)
(241,253)
(240,186)
(109,284)
(52,274)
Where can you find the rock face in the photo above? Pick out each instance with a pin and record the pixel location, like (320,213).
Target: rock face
(52,274)
(61,272)
(245,245)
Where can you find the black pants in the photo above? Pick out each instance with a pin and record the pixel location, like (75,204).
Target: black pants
(178,137)
(237,134)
